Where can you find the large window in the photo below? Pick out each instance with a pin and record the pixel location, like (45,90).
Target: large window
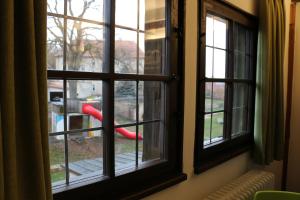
(226,83)
(113,67)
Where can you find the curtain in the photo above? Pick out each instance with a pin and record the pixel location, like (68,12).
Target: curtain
(24,159)
(269,109)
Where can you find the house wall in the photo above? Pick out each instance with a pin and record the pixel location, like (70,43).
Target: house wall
(198,186)
(293,180)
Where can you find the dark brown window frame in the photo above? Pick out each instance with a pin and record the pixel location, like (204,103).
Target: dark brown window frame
(155,176)
(211,155)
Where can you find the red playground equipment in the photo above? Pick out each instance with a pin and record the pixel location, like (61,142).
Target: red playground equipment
(90,110)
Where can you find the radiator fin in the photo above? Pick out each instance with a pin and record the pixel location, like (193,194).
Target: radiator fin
(244,187)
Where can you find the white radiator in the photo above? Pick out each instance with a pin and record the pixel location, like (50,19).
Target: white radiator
(244,187)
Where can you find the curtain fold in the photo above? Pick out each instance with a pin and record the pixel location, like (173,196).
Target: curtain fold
(24,157)
(269,109)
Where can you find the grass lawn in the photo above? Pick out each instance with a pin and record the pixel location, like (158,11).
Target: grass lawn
(57,176)
(216,126)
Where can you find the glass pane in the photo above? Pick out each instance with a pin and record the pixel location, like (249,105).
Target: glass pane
(55,106)
(125,148)
(219,63)
(155,15)
(241,64)
(208,97)
(87,9)
(151,100)
(239,121)
(125,102)
(218,96)
(152,146)
(141,69)
(217,126)
(209,30)
(55,43)
(85,154)
(209,62)
(126,13)
(240,95)
(240,39)
(84,47)
(207,128)
(55,6)
(84,104)
(125,51)
(220,32)
(57,159)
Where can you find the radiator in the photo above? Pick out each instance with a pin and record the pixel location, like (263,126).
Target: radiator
(244,187)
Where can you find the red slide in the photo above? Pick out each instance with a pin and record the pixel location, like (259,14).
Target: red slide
(90,110)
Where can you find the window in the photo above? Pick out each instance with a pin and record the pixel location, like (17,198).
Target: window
(113,66)
(226,84)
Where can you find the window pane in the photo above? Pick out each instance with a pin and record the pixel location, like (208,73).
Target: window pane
(125,102)
(55,106)
(84,47)
(152,146)
(151,100)
(220,32)
(155,15)
(126,13)
(240,95)
(209,62)
(57,159)
(209,30)
(241,66)
(217,126)
(125,51)
(208,97)
(84,104)
(219,63)
(91,9)
(218,96)
(55,6)
(207,128)
(125,148)
(55,43)
(85,155)
(239,121)
(240,39)
(154,53)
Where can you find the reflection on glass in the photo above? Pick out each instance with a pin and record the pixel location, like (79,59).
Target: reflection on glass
(239,121)
(125,148)
(55,106)
(218,96)
(84,104)
(85,154)
(209,62)
(208,97)
(209,30)
(219,63)
(240,44)
(240,95)
(92,9)
(55,6)
(84,47)
(57,159)
(125,51)
(55,43)
(151,100)
(125,102)
(240,67)
(152,146)
(207,128)
(217,126)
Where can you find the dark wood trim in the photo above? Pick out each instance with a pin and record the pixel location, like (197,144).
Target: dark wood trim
(289,94)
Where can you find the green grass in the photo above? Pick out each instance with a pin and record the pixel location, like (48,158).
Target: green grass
(217,127)
(57,176)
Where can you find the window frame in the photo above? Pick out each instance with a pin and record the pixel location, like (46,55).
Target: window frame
(206,157)
(151,177)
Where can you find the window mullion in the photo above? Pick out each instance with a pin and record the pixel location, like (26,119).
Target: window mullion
(108,91)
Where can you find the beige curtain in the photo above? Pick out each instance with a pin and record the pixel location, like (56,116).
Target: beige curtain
(269,112)
(24,159)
